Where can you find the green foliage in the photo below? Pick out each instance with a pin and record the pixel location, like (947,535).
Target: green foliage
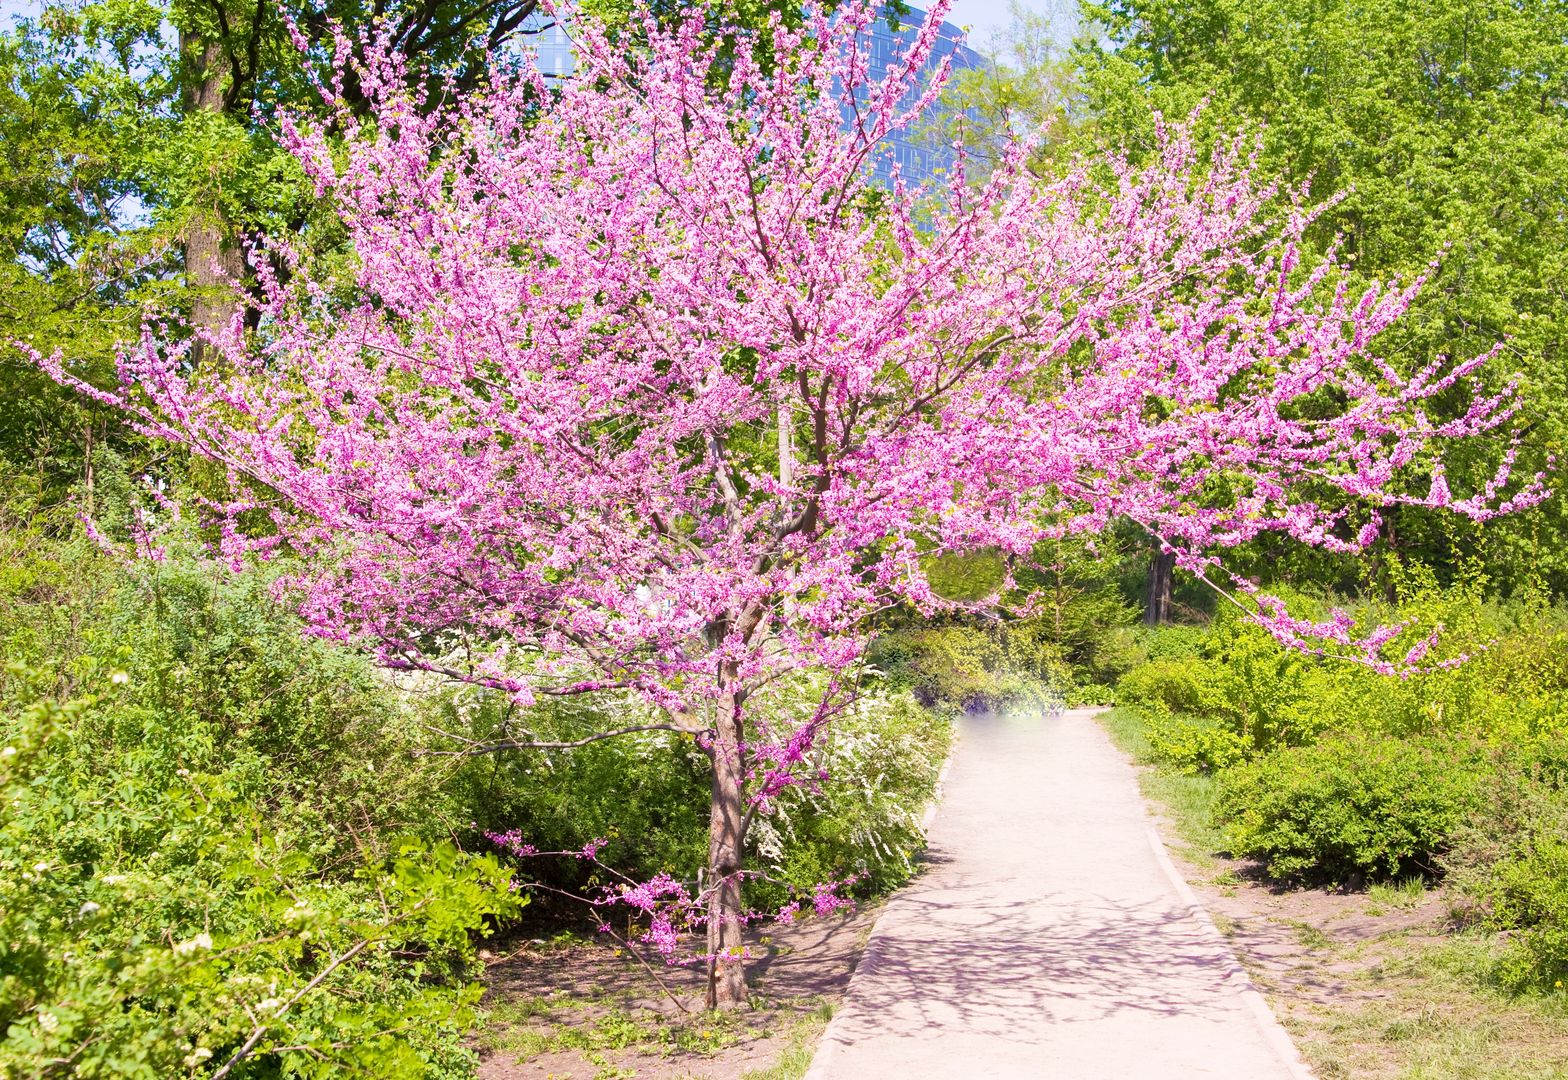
(958,668)
(1509,865)
(1193,746)
(645,793)
(127,129)
(1023,91)
(1351,806)
(213,841)
(1234,692)
(1074,639)
(207,811)
(1325,771)
(1177,684)
(1442,127)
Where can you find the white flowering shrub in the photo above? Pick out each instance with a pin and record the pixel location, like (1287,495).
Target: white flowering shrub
(208,864)
(881,758)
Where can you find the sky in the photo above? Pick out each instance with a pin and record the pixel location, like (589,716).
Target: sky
(983,17)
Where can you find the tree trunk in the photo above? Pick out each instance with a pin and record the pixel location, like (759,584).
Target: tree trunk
(726,850)
(1388,559)
(1157,598)
(213,259)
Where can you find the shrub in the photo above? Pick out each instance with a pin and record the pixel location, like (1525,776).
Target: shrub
(1509,865)
(1193,746)
(646,794)
(215,825)
(1528,893)
(1178,684)
(961,668)
(160,922)
(1170,641)
(1351,806)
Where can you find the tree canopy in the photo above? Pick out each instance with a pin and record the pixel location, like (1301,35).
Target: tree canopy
(1443,127)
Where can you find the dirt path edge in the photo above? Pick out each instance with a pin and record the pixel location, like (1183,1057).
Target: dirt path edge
(1257,1005)
(827,1045)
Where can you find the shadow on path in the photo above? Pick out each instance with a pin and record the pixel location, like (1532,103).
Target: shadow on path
(1044,939)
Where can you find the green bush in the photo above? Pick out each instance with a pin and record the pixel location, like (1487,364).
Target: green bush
(1528,894)
(1080,617)
(1170,640)
(1192,746)
(1352,806)
(157,933)
(1248,691)
(1178,684)
(1330,772)
(646,794)
(215,823)
(1509,865)
(960,668)
(215,842)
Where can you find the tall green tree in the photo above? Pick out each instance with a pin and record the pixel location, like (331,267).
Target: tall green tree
(136,158)
(1444,124)
(1025,88)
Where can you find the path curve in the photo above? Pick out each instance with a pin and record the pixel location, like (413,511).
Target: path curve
(1049,937)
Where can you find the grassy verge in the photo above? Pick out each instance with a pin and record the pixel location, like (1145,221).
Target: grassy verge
(620,1035)
(528,1027)
(616,1035)
(1422,1010)
(1405,1004)
(1187,801)
(795,1059)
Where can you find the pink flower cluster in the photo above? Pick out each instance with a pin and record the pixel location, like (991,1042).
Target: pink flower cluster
(825,899)
(512,843)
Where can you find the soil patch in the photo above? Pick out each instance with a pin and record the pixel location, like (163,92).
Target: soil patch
(578,1010)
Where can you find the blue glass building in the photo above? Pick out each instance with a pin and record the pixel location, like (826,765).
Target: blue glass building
(544,36)
(921,152)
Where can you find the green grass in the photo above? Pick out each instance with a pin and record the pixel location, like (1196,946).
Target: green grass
(1434,1016)
(1310,936)
(528,1027)
(1383,896)
(1187,800)
(801,1048)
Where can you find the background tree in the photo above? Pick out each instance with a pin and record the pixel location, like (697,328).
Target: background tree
(137,138)
(1443,126)
(1025,90)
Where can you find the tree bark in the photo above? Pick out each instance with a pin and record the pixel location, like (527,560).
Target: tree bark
(213,259)
(726,852)
(1157,597)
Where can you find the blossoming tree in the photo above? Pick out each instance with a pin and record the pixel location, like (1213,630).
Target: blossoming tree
(636,383)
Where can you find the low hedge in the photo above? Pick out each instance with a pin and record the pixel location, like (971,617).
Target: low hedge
(1352,806)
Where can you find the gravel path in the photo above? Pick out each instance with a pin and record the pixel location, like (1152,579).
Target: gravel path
(1049,936)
